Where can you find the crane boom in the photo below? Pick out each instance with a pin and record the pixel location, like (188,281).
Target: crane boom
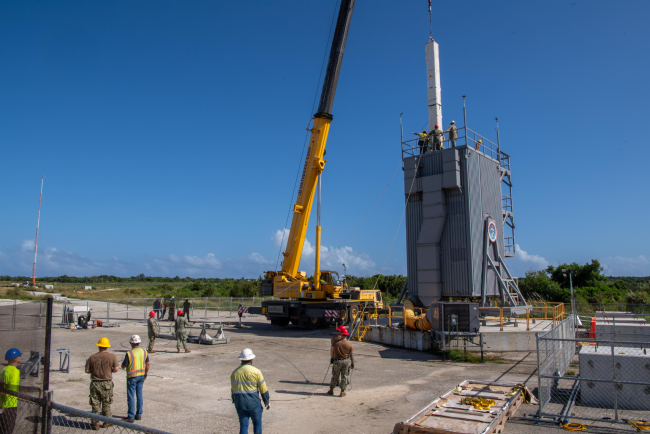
(288,280)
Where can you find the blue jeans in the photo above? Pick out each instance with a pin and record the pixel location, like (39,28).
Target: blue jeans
(255,415)
(133,390)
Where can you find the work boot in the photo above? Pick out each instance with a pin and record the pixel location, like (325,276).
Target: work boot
(331,391)
(152,351)
(106,425)
(95,426)
(342,393)
(188,351)
(126,419)
(138,418)
(178,351)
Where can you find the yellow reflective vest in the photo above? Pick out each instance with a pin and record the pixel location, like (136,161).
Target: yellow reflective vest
(10,376)
(137,359)
(245,382)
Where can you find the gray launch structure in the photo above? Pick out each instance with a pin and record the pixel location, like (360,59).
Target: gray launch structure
(459,219)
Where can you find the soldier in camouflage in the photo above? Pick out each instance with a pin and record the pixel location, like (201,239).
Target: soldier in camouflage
(101,367)
(152,330)
(342,360)
(453,133)
(181,335)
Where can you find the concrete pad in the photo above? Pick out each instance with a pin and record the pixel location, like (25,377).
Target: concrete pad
(190,393)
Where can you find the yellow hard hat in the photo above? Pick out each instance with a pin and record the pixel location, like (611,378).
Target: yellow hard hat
(103,342)
(480,141)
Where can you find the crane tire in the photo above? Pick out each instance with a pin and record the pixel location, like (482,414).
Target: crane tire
(313,322)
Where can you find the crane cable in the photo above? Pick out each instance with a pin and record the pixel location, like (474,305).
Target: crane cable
(295,184)
(415,174)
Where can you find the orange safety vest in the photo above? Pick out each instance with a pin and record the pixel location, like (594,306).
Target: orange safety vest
(136,362)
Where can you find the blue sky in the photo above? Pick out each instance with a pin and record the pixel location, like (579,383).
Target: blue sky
(170,134)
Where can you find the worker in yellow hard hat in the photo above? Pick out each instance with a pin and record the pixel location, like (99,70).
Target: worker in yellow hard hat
(478,144)
(101,367)
(423,141)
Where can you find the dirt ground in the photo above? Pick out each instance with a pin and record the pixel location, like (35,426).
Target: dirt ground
(190,393)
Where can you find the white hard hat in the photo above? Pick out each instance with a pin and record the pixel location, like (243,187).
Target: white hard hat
(452,122)
(135,339)
(246,354)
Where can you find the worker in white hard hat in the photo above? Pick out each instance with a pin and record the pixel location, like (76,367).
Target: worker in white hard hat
(246,384)
(136,363)
(453,133)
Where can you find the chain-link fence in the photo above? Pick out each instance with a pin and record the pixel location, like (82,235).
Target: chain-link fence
(127,309)
(22,326)
(595,367)
(32,415)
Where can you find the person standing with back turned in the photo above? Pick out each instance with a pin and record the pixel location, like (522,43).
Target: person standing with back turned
(152,331)
(245,383)
(136,363)
(342,360)
(453,133)
(10,376)
(181,334)
(101,367)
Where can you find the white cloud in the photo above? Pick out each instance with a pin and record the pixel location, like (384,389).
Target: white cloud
(27,245)
(54,262)
(524,261)
(358,264)
(623,266)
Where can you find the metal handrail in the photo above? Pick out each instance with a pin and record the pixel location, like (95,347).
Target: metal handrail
(466,137)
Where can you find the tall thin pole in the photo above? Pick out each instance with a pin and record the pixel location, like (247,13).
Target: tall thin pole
(465,119)
(38,223)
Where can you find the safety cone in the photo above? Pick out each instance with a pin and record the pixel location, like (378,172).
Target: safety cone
(592,332)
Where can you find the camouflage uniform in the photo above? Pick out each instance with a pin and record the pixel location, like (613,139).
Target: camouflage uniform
(453,134)
(179,329)
(101,397)
(152,330)
(340,368)
(438,139)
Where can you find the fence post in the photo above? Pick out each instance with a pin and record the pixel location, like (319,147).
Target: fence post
(230,311)
(205,315)
(614,378)
(46,365)
(13,317)
(108,311)
(144,308)
(127,309)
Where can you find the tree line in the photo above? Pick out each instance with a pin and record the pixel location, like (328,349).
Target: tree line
(590,285)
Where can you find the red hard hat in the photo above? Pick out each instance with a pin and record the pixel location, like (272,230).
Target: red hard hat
(151,314)
(180,312)
(343,331)
(436,126)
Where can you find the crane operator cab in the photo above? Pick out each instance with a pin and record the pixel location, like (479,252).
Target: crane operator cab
(330,283)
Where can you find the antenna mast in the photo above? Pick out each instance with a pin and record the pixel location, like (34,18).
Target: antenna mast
(38,223)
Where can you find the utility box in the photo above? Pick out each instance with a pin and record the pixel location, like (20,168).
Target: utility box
(86,287)
(439,315)
(622,331)
(49,287)
(619,363)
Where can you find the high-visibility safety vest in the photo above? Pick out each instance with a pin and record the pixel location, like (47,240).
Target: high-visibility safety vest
(10,376)
(247,380)
(137,357)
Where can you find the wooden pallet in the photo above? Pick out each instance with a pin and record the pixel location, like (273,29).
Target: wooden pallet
(448,415)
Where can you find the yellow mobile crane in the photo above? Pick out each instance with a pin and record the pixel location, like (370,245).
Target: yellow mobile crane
(327,299)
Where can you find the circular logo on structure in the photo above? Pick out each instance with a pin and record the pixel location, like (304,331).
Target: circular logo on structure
(492,231)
